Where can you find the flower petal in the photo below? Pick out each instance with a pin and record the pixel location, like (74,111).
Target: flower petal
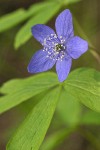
(76,47)
(40,62)
(64,25)
(63,68)
(40,32)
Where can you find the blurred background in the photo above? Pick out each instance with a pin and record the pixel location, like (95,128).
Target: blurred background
(13,64)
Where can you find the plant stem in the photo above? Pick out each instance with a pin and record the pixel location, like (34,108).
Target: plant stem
(91,138)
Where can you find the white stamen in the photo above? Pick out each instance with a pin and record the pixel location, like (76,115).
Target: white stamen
(60,37)
(54,48)
(53,42)
(52,34)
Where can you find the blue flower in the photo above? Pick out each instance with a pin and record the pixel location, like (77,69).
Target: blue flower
(58,48)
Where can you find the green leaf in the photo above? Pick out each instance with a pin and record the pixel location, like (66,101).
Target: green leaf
(22,89)
(66,2)
(84,85)
(40,18)
(54,140)
(90,117)
(69,1)
(32,132)
(10,20)
(69,109)
(35,8)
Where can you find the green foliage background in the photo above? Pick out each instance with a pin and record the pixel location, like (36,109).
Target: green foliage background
(33,101)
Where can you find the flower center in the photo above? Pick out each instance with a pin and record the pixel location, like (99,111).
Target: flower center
(55,47)
(59,47)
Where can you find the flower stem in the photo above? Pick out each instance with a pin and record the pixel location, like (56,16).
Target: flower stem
(96,55)
(91,46)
